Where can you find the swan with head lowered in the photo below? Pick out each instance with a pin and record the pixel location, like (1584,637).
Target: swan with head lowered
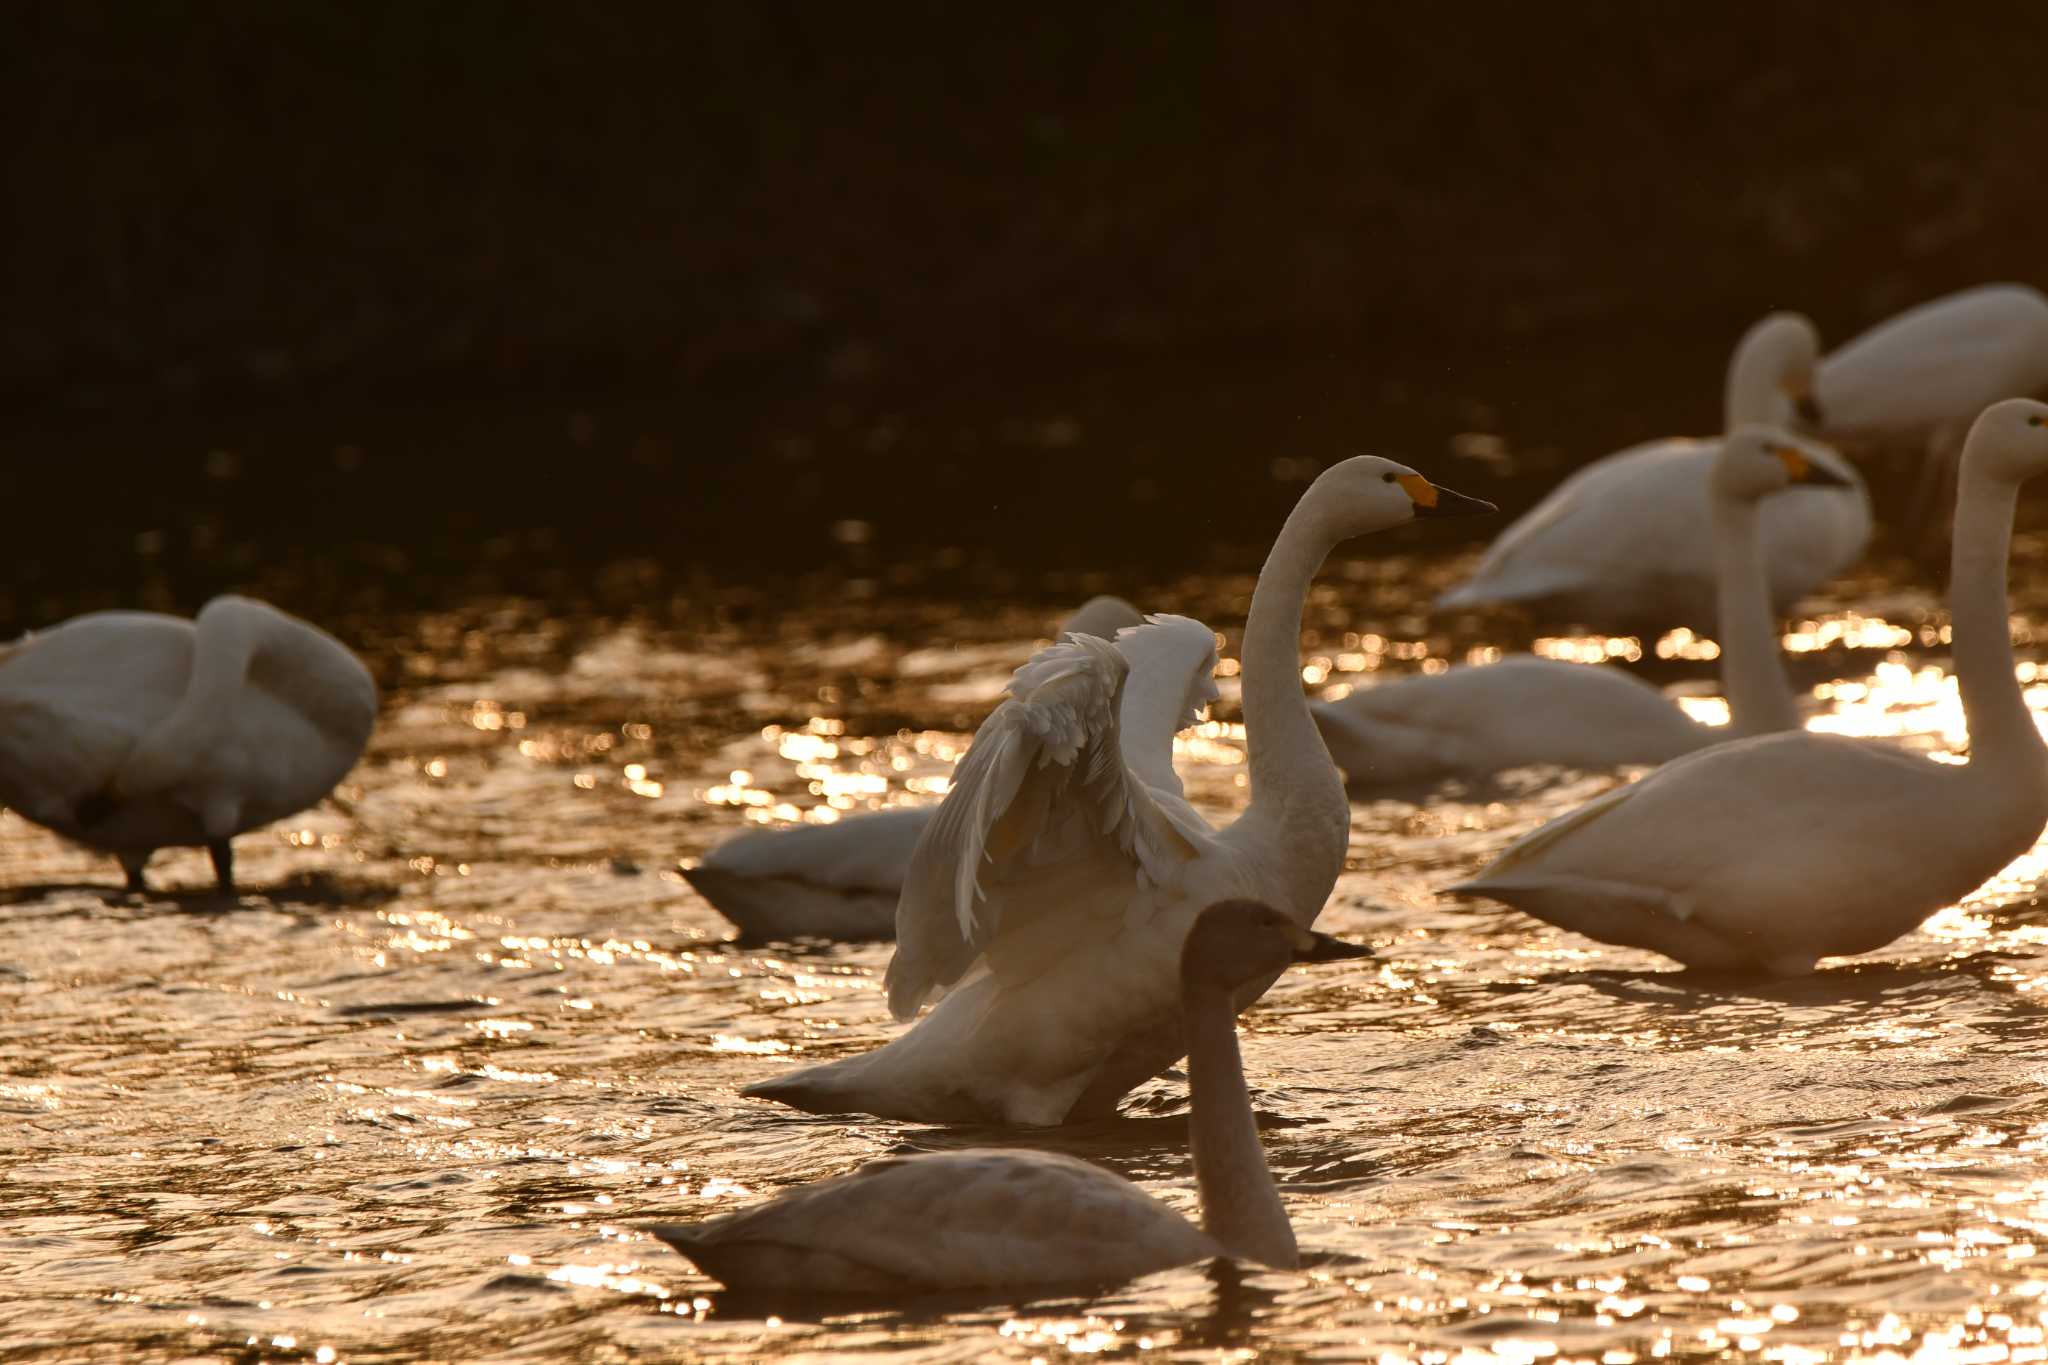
(1625,544)
(842,880)
(133,731)
(995,1218)
(1479,720)
(1775,852)
(1047,902)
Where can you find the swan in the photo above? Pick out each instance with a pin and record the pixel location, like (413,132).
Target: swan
(1048,899)
(1625,545)
(1476,721)
(1778,851)
(1912,383)
(132,731)
(840,881)
(996,1218)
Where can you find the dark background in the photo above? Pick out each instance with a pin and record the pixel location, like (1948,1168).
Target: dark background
(420,300)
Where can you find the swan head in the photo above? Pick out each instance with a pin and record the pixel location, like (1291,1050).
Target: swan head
(1770,377)
(1367,493)
(1102,617)
(1174,649)
(2008,441)
(1236,941)
(1757,461)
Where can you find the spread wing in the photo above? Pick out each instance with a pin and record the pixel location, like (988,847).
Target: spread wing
(1047,841)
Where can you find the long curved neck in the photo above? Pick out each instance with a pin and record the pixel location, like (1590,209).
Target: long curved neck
(2002,732)
(1751,394)
(1286,750)
(1241,1208)
(1760,696)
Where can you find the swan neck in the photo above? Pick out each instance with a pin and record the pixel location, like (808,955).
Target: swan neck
(1280,731)
(2001,729)
(1760,698)
(1241,1207)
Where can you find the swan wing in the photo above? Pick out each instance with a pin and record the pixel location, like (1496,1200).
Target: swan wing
(947,1220)
(1046,836)
(1619,513)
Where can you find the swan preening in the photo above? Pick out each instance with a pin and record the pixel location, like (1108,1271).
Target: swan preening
(1047,902)
(1776,852)
(1477,721)
(1626,543)
(842,880)
(998,1218)
(133,731)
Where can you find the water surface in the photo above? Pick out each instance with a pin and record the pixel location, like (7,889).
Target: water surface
(417,1091)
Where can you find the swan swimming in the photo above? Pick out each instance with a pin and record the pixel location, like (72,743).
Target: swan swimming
(131,731)
(1048,900)
(990,1218)
(841,880)
(1778,851)
(1625,544)
(1479,720)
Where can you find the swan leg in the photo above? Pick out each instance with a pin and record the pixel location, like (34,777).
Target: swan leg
(223,854)
(132,864)
(1933,500)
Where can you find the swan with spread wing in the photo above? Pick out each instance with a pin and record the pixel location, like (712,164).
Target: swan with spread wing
(1046,905)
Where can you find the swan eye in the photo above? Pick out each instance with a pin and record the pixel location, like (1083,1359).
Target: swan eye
(2037,421)
(1391,477)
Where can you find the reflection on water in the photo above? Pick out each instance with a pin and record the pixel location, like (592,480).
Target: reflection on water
(418,1094)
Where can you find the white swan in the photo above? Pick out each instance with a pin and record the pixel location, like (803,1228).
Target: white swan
(1776,852)
(132,731)
(1476,721)
(1052,893)
(999,1218)
(1625,545)
(1913,383)
(840,881)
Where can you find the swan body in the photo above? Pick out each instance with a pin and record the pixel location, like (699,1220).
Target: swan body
(999,1218)
(840,881)
(1625,543)
(1923,375)
(1476,721)
(1777,851)
(1483,719)
(1047,902)
(133,731)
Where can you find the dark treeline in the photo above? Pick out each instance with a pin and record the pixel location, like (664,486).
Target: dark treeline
(706,281)
(224,201)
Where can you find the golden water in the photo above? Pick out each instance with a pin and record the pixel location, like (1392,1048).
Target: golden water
(416,1093)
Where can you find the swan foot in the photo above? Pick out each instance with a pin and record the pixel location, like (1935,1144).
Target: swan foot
(223,854)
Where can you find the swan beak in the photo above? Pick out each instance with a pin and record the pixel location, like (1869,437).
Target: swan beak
(1311,946)
(1432,500)
(1801,469)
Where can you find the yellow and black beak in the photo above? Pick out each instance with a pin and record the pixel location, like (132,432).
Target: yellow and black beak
(1802,468)
(1432,501)
(1310,946)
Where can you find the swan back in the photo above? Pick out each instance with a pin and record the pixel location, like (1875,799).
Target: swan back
(1937,365)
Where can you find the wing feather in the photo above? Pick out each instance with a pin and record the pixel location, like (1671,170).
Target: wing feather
(1044,809)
